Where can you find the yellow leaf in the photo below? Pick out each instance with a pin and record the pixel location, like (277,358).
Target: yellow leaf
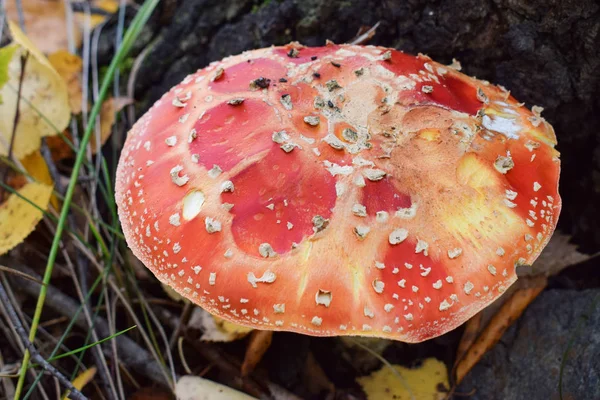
(231,328)
(427,382)
(82,379)
(69,67)
(172,293)
(6,54)
(110,6)
(44,106)
(36,166)
(45,23)
(215,329)
(18,218)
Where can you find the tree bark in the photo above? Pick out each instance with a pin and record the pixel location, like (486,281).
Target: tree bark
(546,52)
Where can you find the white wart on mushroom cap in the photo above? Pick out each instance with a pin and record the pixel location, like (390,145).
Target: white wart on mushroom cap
(338,190)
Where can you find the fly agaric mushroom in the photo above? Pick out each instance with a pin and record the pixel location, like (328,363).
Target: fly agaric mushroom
(338,190)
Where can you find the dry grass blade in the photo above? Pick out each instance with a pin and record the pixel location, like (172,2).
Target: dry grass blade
(132,354)
(21,274)
(36,356)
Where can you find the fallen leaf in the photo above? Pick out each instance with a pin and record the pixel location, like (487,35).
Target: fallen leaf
(429,381)
(44,106)
(59,148)
(314,378)
(45,23)
(510,311)
(494,320)
(108,117)
(259,343)
(363,351)
(18,218)
(110,6)
(69,68)
(172,293)
(6,54)
(195,388)
(216,329)
(559,254)
(82,379)
(36,167)
(469,335)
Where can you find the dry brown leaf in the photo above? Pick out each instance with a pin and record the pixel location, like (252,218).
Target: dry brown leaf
(315,379)
(495,319)
(44,106)
(45,23)
(60,150)
(557,255)
(510,311)
(108,117)
(259,343)
(69,68)
(18,218)
(469,335)
(429,381)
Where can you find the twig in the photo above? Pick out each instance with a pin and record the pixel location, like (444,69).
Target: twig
(136,26)
(24,275)
(135,69)
(17,113)
(131,353)
(36,356)
(362,38)
(17,344)
(24,58)
(183,317)
(47,156)
(224,362)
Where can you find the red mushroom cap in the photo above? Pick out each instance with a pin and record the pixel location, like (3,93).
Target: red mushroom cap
(338,190)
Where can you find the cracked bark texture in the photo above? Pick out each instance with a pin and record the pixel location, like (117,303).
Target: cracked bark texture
(559,327)
(546,52)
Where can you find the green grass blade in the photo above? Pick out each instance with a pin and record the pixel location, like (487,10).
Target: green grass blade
(132,33)
(87,346)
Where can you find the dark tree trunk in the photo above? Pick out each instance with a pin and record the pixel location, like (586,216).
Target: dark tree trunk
(547,52)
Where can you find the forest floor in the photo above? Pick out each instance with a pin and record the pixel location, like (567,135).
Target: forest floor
(78,311)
